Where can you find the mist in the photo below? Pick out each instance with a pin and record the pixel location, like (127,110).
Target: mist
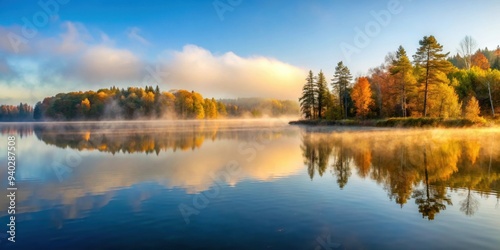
(229,75)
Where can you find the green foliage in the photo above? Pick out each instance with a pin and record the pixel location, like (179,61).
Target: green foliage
(340,82)
(309,98)
(151,103)
(428,122)
(403,72)
(322,94)
(432,61)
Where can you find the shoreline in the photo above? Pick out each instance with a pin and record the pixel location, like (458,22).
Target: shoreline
(399,123)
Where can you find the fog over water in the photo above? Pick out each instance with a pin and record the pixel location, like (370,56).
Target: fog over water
(306,181)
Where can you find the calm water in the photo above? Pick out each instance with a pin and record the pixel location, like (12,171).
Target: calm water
(251,185)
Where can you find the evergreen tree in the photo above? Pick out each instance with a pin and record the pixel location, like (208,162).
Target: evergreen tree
(308,98)
(322,93)
(496,62)
(37,112)
(432,61)
(340,82)
(402,69)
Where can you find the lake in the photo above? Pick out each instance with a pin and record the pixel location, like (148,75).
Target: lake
(250,184)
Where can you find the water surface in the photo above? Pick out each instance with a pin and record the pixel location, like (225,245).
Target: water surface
(251,185)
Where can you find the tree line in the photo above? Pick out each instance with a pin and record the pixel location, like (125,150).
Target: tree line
(21,112)
(150,103)
(433,84)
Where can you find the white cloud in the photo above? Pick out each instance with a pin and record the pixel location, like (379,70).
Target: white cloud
(74,60)
(73,40)
(230,75)
(101,63)
(133,34)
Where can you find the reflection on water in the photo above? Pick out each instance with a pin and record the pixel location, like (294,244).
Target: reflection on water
(74,175)
(419,164)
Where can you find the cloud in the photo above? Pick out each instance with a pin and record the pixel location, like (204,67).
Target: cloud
(230,75)
(101,63)
(74,60)
(12,42)
(73,40)
(133,34)
(5,69)
(77,57)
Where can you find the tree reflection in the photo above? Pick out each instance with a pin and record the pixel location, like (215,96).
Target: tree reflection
(423,165)
(150,138)
(341,165)
(316,153)
(470,204)
(403,178)
(430,200)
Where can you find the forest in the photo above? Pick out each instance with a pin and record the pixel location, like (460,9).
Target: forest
(144,103)
(21,112)
(433,84)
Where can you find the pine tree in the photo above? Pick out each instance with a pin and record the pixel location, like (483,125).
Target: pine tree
(432,61)
(340,82)
(37,112)
(308,98)
(402,69)
(322,94)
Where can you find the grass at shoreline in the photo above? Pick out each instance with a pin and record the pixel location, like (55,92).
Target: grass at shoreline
(402,123)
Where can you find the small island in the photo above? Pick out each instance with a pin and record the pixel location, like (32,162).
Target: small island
(435,90)
(138,103)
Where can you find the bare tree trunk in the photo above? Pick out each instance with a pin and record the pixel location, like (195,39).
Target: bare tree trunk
(491,100)
(426,85)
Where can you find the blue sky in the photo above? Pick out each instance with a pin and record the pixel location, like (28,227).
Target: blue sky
(92,44)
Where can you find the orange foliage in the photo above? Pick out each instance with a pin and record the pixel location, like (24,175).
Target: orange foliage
(362,97)
(480,61)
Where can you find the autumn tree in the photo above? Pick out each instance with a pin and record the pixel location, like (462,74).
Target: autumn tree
(443,100)
(362,96)
(210,107)
(472,109)
(308,98)
(197,112)
(167,103)
(480,61)
(221,109)
(430,59)
(491,80)
(402,70)
(340,82)
(385,92)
